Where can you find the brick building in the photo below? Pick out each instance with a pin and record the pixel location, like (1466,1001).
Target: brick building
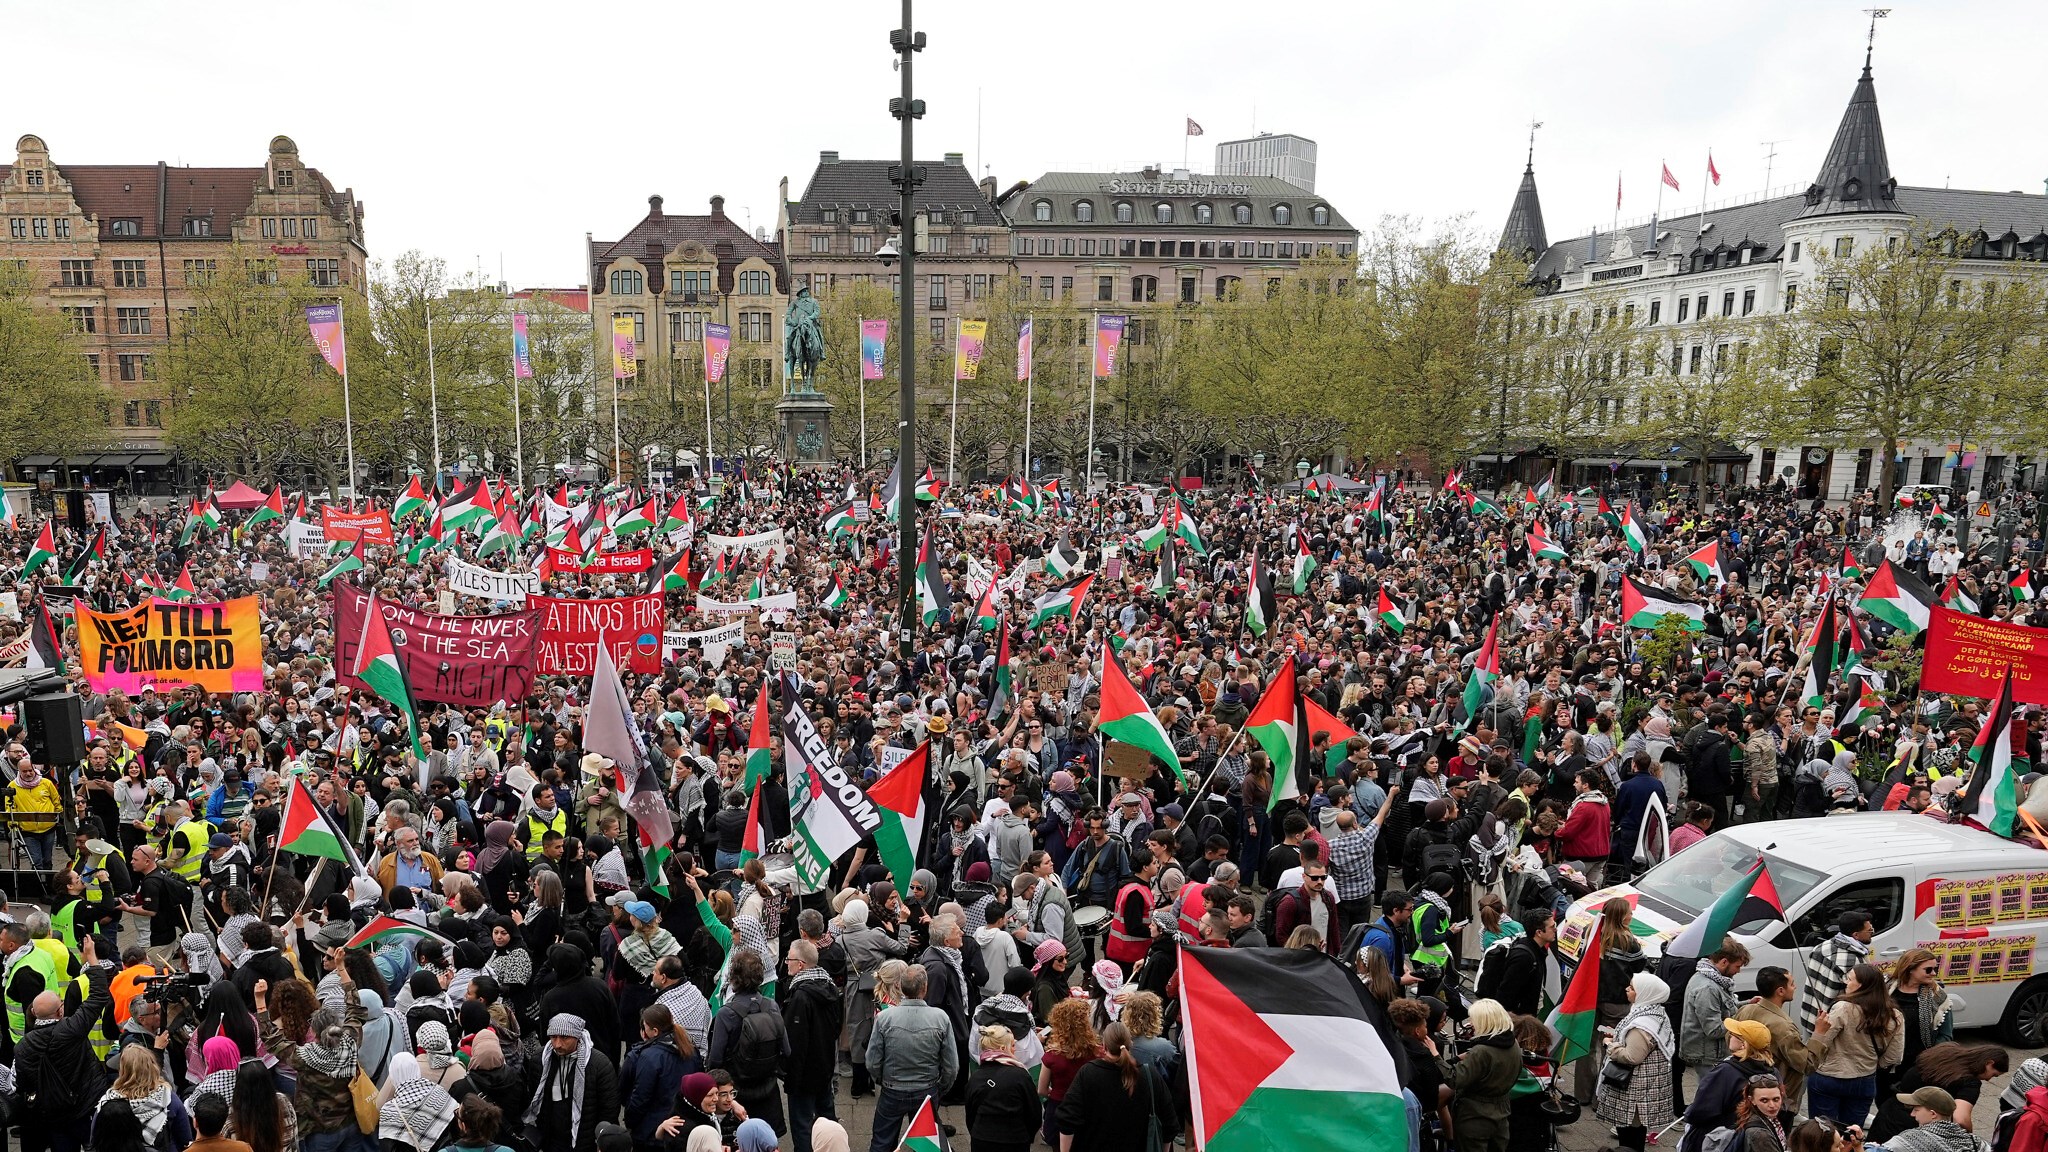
(117,245)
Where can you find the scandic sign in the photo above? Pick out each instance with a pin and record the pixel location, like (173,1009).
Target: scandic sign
(1968,656)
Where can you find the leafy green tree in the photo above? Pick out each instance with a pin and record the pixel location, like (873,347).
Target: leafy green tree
(50,400)
(403,387)
(1737,396)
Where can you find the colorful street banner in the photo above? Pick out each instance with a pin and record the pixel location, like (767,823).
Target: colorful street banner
(874,345)
(1968,656)
(1109,339)
(328,335)
(625,357)
(522,354)
(163,644)
(967,349)
(470,661)
(369,527)
(717,347)
(569,632)
(632,560)
(1024,351)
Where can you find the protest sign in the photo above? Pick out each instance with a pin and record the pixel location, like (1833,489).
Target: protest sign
(771,542)
(370,527)
(472,661)
(714,641)
(471,580)
(780,602)
(570,629)
(782,652)
(218,647)
(1968,656)
(634,560)
(305,539)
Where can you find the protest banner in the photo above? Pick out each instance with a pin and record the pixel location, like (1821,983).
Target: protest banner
(305,539)
(471,661)
(569,632)
(370,527)
(779,602)
(771,542)
(471,580)
(1968,656)
(162,644)
(782,652)
(714,641)
(634,560)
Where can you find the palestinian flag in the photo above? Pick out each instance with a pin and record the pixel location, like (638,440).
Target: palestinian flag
(1184,526)
(182,589)
(678,513)
(1063,561)
(1390,616)
(1167,576)
(1065,600)
(986,614)
(1631,532)
(1339,732)
(1868,703)
(2022,586)
(1373,510)
(1542,546)
(413,499)
(999,700)
(835,599)
(45,639)
(1304,562)
(434,539)
(501,534)
(1607,513)
(1707,562)
(1820,647)
(899,800)
(675,575)
(466,505)
(42,552)
(1282,1054)
(1125,716)
(1851,569)
(353,562)
(891,496)
(928,486)
(273,508)
(1544,489)
(1955,599)
(923,1133)
(636,518)
(1746,901)
(1574,1019)
(384,929)
(1261,607)
(1991,797)
(203,518)
(1477,507)
(1898,598)
(1280,725)
(97,550)
(754,590)
(1151,538)
(934,602)
(378,667)
(840,522)
(754,841)
(1645,606)
(10,507)
(1485,670)
(707,502)
(308,830)
(760,758)
(721,567)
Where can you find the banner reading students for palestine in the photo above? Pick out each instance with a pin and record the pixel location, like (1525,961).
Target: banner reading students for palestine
(569,631)
(471,661)
(162,644)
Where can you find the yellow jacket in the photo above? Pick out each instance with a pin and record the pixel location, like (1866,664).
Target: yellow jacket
(41,798)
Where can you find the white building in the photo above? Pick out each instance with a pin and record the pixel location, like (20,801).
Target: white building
(1284,156)
(1758,257)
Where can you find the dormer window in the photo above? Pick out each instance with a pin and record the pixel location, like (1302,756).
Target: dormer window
(1125,214)
(830,216)
(1282,214)
(1041,211)
(1204,214)
(198,226)
(1241,213)
(1852,189)
(1084,211)
(35,177)
(1320,214)
(126,226)
(285,178)
(1162,212)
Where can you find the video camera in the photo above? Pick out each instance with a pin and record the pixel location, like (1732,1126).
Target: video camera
(174,988)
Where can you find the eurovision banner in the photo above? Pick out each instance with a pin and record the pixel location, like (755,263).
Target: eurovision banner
(570,630)
(1024,350)
(967,349)
(369,527)
(779,602)
(714,641)
(632,560)
(874,345)
(717,347)
(522,353)
(470,580)
(1968,656)
(328,335)
(625,358)
(164,644)
(471,661)
(1109,339)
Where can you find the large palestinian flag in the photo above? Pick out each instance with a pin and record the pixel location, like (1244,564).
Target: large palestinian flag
(934,602)
(41,552)
(1898,598)
(1646,606)
(1339,732)
(1820,647)
(1282,1055)
(308,830)
(378,667)
(1575,1017)
(1280,725)
(1065,600)
(760,752)
(899,800)
(1485,670)
(1707,562)
(1631,532)
(1125,716)
(381,929)
(1390,616)
(1747,900)
(1991,798)
(999,699)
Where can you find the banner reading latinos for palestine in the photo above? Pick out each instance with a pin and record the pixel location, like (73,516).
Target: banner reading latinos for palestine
(163,644)
(717,347)
(522,353)
(326,322)
(569,631)
(874,345)
(369,527)
(967,349)
(625,358)
(470,661)
(1109,339)
(1024,351)
(1968,656)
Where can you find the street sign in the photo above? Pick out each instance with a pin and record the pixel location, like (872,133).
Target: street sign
(782,651)
(1980,517)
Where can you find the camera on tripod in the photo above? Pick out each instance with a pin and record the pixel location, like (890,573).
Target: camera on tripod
(175,988)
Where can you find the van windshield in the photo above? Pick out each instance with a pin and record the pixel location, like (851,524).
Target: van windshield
(1685,885)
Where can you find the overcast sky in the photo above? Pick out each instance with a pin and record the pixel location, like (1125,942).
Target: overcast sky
(502,132)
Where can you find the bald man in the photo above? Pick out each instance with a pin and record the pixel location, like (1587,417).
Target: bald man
(57,1078)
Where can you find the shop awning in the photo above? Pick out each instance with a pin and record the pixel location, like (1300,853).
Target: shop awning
(36,461)
(1595,462)
(1491,458)
(115,460)
(153,460)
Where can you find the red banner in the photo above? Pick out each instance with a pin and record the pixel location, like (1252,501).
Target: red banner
(637,560)
(569,631)
(471,661)
(342,524)
(1967,656)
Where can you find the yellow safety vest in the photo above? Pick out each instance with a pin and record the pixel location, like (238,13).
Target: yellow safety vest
(195,833)
(60,956)
(536,828)
(93,866)
(17,1012)
(101,1040)
(1438,955)
(61,922)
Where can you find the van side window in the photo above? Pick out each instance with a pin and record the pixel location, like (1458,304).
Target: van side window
(1884,899)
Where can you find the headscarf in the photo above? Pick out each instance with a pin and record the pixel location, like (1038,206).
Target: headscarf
(930,882)
(854,916)
(755,1136)
(485,1053)
(199,954)
(550,1060)
(2031,1074)
(827,1135)
(1046,952)
(1062,781)
(222,1055)
(497,842)
(380,1034)
(1110,979)
(1648,1014)
(418,1110)
(432,1039)
(696,1086)
(747,931)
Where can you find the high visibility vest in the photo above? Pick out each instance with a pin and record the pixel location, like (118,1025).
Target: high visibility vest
(1436,955)
(195,834)
(60,956)
(99,1037)
(94,890)
(17,1012)
(536,828)
(61,922)
(127,986)
(496,729)
(1123,947)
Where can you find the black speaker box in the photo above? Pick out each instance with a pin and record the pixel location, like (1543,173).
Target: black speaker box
(56,728)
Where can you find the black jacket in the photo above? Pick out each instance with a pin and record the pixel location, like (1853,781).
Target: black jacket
(812,1016)
(1100,1115)
(1521,982)
(56,1075)
(1003,1106)
(1710,774)
(945,993)
(600,1102)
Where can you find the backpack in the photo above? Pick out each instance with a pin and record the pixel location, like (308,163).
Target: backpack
(1722,1140)
(1493,967)
(1440,858)
(757,1050)
(1269,912)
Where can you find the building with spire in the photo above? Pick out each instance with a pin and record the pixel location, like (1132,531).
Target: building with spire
(1687,281)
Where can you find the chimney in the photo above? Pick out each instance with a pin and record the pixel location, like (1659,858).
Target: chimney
(828,157)
(988,189)
(956,158)
(718,207)
(654,205)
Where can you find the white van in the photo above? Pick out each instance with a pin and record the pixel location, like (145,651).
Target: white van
(1979,901)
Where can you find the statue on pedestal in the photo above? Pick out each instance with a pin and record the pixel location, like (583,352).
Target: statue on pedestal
(803,343)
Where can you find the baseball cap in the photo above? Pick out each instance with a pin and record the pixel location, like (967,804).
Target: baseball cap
(1931,1098)
(221,840)
(641,910)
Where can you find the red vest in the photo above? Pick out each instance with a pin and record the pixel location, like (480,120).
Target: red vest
(1123,947)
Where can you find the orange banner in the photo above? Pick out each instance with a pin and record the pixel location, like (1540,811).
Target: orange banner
(164,644)
(341,524)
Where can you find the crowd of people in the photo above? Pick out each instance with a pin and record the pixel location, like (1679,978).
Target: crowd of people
(528,972)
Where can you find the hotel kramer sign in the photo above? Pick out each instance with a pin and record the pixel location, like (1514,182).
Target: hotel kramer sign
(1174,188)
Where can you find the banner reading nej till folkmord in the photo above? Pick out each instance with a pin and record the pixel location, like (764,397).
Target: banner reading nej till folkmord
(164,644)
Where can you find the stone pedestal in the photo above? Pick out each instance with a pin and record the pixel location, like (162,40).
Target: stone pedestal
(806,429)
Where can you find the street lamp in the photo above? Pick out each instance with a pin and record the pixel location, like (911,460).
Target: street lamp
(906,110)
(1301,468)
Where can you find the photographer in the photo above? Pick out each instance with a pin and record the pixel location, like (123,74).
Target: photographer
(161,897)
(57,1076)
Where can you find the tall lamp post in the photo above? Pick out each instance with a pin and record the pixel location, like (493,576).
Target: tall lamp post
(906,176)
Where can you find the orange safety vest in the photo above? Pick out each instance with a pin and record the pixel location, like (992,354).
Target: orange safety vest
(1123,947)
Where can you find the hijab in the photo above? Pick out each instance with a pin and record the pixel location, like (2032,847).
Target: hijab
(485,1053)
(497,842)
(222,1055)
(755,1136)
(828,1136)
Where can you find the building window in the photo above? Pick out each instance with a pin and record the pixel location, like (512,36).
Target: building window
(198,226)
(1700,309)
(1656,310)
(1728,303)
(35,177)
(1677,359)
(1148,248)
(1791,297)
(1266,250)
(1045,287)
(1041,211)
(84,321)
(1845,246)
(829,216)
(626,282)
(1087,247)
(978,245)
(136,366)
(127,226)
(1282,214)
(1692,366)
(756,326)
(290,228)
(1287,249)
(132,321)
(309,229)
(284,177)
(17,228)
(1144,289)
(131,413)
(755,283)
(198,272)
(860,215)
(1748,301)
(323,273)
(941,243)
(821,243)
(935,293)
(1205,213)
(1105,289)
(977,286)
(152,411)
(1187,249)
(92,364)
(1188,286)
(1208,249)
(1066,287)
(937,327)
(75,273)
(938,215)
(1241,213)
(864,244)
(1162,213)
(1125,214)
(1084,211)
(261,271)
(1226,286)
(967,216)
(1320,214)
(63,227)
(1795,252)
(41,227)
(1684,308)
(1066,246)
(1024,245)
(270,227)
(1227,250)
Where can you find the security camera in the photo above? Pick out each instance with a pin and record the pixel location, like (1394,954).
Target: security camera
(887,252)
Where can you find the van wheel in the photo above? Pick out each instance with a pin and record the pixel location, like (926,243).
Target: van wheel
(2025,1024)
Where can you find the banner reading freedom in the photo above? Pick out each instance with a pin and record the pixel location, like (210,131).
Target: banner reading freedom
(163,644)
(370,527)
(569,631)
(472,661)
(1968,656)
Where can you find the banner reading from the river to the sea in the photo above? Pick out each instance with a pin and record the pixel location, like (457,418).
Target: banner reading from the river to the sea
(473,661)
(163,644)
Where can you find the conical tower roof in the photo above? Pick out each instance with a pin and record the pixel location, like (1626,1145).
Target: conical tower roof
(1855,177)
(1524,235)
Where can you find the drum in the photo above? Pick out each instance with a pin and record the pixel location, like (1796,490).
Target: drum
(1092,921)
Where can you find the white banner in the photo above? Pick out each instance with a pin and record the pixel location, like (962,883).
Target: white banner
(306,540)
(779,602)
(770,542)
(470,580)
(714,640)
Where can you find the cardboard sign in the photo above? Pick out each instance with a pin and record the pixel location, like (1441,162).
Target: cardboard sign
(470,661)
(1051,676)
(1126,761)
(369,527)
(162,644)
(305,539)
(782,652)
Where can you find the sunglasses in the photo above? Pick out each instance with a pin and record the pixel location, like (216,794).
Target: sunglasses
(1313,879)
